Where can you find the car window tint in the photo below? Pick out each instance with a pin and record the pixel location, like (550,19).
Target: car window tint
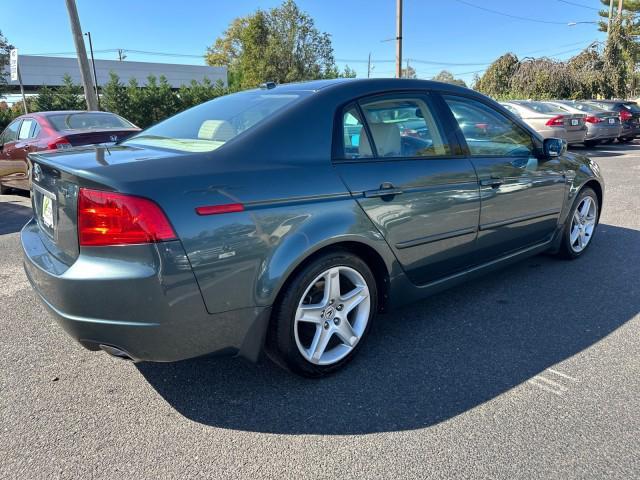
(11,132)
(488,132)
(356,143)
(540,107)
(404,127)
(26,129)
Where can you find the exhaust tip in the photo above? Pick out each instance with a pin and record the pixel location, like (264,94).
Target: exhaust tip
(115,352)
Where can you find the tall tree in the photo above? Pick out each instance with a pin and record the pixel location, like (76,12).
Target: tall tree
(409,72)
(279,45)
(496,80)
(447,77)
(630,9)
(618,62)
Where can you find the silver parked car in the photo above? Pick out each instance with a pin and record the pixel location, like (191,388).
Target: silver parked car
(550,121)
(603,126)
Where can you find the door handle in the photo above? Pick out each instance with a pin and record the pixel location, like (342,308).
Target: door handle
(386,190)
(491,182)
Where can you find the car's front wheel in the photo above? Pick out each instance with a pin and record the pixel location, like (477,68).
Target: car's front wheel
(581,224)
(324,315)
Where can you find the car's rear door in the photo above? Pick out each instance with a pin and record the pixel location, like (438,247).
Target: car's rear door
(9,167)
(409,176)
(522,194)
(27,137)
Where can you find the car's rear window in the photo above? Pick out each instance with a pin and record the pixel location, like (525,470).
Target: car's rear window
(91,121)
(541,107)
(633,106)
(207,127)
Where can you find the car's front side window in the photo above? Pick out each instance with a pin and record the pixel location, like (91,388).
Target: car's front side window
(404,127)
(487,131)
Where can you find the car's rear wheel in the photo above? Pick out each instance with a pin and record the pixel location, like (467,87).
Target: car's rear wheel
(625,139)
(608,141)
(581,225)
(324,315)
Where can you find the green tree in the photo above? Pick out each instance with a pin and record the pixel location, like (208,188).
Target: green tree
(586,69)
(542,79)
(69,96)
(447,77)
(114,96)
(496,80)
(618,62)
(630,9)
(279,45)
(46,100)
(196,93)
(140,110)
(5,48)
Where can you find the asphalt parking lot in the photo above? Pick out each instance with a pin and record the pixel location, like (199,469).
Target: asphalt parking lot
(532,372)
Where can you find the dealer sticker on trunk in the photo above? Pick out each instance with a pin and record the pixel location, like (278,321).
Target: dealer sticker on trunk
(47,211)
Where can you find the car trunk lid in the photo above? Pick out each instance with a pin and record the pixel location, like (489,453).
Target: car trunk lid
(93,136)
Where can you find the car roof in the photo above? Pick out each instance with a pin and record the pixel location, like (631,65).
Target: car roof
(365,84)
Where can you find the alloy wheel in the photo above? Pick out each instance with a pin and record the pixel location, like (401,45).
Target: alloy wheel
(332,315)
(583,224)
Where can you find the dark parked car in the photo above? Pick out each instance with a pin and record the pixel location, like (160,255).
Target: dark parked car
(629,114)
(53,131)
(284,218)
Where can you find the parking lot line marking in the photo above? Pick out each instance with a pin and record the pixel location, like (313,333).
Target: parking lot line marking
(562,374)
(544,387)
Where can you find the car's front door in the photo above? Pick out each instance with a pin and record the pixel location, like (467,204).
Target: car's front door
(409,176)
(522,193)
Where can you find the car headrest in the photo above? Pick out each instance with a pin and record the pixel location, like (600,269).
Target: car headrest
(218,130)
(387,139)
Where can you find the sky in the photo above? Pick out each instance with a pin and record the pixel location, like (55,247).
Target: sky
(438,34)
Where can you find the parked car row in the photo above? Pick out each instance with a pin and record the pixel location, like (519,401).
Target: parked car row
(54,131)
(586,122)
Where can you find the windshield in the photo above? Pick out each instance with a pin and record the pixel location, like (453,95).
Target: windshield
(92,121)
(207,127)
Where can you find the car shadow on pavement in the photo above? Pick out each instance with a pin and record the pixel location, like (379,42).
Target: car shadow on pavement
(13,215)
(433,360)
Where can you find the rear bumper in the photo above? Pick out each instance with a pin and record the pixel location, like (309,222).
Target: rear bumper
(576,136)
(141,299)
(603,132)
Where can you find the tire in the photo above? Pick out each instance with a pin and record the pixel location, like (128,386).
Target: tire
(609,141)
(337,326)
(591,143)
(573,246)
(625,139)
(4,190)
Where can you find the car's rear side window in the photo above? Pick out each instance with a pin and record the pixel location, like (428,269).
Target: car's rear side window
(400,127)
(487,131)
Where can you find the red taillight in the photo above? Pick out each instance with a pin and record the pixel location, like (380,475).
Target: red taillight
(108,218)
(409,132)
(557,121)
(625,115)
(59,144)
(592,119)
(218,209)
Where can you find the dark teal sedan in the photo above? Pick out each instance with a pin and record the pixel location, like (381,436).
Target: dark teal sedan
(284,218)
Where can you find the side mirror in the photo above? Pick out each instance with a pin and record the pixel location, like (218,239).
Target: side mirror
(554,147)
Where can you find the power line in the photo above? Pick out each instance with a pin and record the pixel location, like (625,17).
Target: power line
(578,5)
(517,17)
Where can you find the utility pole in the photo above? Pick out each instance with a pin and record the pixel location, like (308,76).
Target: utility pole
(369,66)
(610,15)
(398,38)
(83,62)
(93,66)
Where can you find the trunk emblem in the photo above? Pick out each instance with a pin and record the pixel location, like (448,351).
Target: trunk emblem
(114,138)
(37,172)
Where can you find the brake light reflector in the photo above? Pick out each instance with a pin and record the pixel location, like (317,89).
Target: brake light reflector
(218,209)
(592,119)
(557,121)
(625,115)
(59,144)
(109,218)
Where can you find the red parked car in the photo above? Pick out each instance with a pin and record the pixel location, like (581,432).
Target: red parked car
(53,131)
